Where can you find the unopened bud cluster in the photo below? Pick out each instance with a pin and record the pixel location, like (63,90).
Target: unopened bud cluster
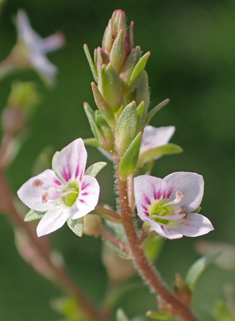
(120,91)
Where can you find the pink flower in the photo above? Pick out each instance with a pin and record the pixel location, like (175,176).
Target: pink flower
(64,192)
(169,205)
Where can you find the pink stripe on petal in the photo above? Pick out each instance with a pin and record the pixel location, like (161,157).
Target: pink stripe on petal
(147,200)
(169,193)
(56,181)
(85,193)
(84,185)
(144,207)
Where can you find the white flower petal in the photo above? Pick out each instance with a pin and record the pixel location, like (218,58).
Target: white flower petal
(147,189)
(52,42)
(87,199)
(190,184)
(154,137)
(194,225)
(32,197)
(165,230)
(43,66)
(52,220)
(70,162)
(25,31)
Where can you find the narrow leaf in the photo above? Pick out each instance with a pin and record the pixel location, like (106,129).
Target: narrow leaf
(76,226)
(90,62)
(129,159)
(155,110)
(33,215)
(159,316)
(157,152)
(91,142)
(197,268)
(94,169)
(138,70)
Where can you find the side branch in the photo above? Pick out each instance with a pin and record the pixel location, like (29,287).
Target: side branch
(145,268)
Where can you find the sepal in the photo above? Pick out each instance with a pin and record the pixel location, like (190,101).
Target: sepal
(33,215)
(94,169)
(76,226)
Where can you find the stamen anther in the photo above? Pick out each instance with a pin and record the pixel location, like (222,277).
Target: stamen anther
(44,197)
(37,183)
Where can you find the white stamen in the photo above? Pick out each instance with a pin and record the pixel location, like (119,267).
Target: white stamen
(178,198)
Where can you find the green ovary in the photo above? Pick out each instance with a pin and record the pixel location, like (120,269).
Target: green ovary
(70,198)
(159,209)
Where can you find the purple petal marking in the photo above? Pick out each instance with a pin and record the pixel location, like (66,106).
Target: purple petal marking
(154,193)
(77,171)
(85,193)
(162,227)
(146,213)
(144,207)
(147,200)
(67,173)
(84,185)
(169,193)
(82,201)
(57,182)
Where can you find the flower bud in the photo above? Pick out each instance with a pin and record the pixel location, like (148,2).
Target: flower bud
(92,224)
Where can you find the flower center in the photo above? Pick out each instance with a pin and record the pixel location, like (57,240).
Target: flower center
(171,211)
(72,190)
(158,209)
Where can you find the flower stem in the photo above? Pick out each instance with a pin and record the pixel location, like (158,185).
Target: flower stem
(145,268)
(90,312)
(108,214)
(106,235)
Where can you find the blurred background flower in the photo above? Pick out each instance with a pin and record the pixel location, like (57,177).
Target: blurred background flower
(192,63)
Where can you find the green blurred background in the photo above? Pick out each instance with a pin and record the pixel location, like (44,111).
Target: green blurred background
(193,63)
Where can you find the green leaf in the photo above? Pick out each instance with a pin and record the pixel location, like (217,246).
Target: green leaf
(91,142)
(94,127)
(129,159)
(76,226)
(126,128)
(157,152)
(197,268)
(155,110)
(94,169)
(117,54)
(90,62)
(33,215)
(159,316)
(112,90)
(121,316)
(138,70)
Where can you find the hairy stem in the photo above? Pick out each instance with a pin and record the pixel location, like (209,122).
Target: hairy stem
(144,266)
(91,313)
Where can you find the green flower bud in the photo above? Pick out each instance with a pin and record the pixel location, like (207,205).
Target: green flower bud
(92,224)
(126,128)
(112,90)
